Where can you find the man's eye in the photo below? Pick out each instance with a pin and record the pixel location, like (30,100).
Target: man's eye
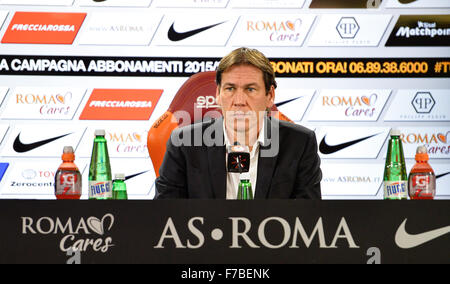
(229,89)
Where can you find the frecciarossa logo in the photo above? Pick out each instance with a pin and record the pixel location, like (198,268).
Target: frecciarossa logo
(121,104)
(43,28)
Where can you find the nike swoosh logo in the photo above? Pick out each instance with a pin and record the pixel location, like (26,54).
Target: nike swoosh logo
(20,147)
(326,149)
(285,102)
(406,241)
(134,175)
(176,36)
(442,175)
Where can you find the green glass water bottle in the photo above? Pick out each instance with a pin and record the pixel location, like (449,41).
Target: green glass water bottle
(100,177)
(245,187)
(395,179)
(119,187)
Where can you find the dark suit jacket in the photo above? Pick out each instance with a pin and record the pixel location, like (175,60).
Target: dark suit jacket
(288,169)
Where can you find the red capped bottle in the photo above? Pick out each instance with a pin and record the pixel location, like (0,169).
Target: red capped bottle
(68,177)
(422,180)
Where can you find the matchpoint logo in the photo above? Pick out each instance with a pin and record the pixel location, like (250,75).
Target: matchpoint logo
(420,30)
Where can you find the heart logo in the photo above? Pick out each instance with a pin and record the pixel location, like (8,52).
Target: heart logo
(98,226)
(366,100)
(60,99)
(137,136)
(442,137)
(290,25)
(369,100)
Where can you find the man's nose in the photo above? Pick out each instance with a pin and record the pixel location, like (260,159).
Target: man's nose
(239,98)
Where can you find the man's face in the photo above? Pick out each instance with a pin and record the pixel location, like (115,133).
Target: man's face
(243,98)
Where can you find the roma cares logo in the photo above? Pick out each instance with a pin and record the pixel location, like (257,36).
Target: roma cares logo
(354,106)
(442,137)
(121,104)
(43,28)
(279,30)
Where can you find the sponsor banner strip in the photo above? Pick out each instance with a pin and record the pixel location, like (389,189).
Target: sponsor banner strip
(187,66)
(151,231)
(362,67)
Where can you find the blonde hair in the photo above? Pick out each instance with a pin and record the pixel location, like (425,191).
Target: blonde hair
(242,56)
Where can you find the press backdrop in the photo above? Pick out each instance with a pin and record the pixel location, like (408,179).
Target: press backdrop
(350,70)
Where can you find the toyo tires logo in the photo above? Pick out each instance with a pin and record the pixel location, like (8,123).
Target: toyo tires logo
(77,234)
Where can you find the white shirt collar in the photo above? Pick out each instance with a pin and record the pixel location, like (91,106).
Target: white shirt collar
(259,141)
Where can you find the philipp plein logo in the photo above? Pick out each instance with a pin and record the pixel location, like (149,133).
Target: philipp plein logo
(177,36)
(326,149)
(405,240)
(20,147)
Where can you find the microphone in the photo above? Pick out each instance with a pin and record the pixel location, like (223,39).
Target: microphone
(238,158)
(239,162)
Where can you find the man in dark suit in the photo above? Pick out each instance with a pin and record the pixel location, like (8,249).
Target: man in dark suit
(283,156)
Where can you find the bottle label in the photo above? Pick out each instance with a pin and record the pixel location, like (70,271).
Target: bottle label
(420,181)
(422,186)
(100,189)
(395,189)
(67,183)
